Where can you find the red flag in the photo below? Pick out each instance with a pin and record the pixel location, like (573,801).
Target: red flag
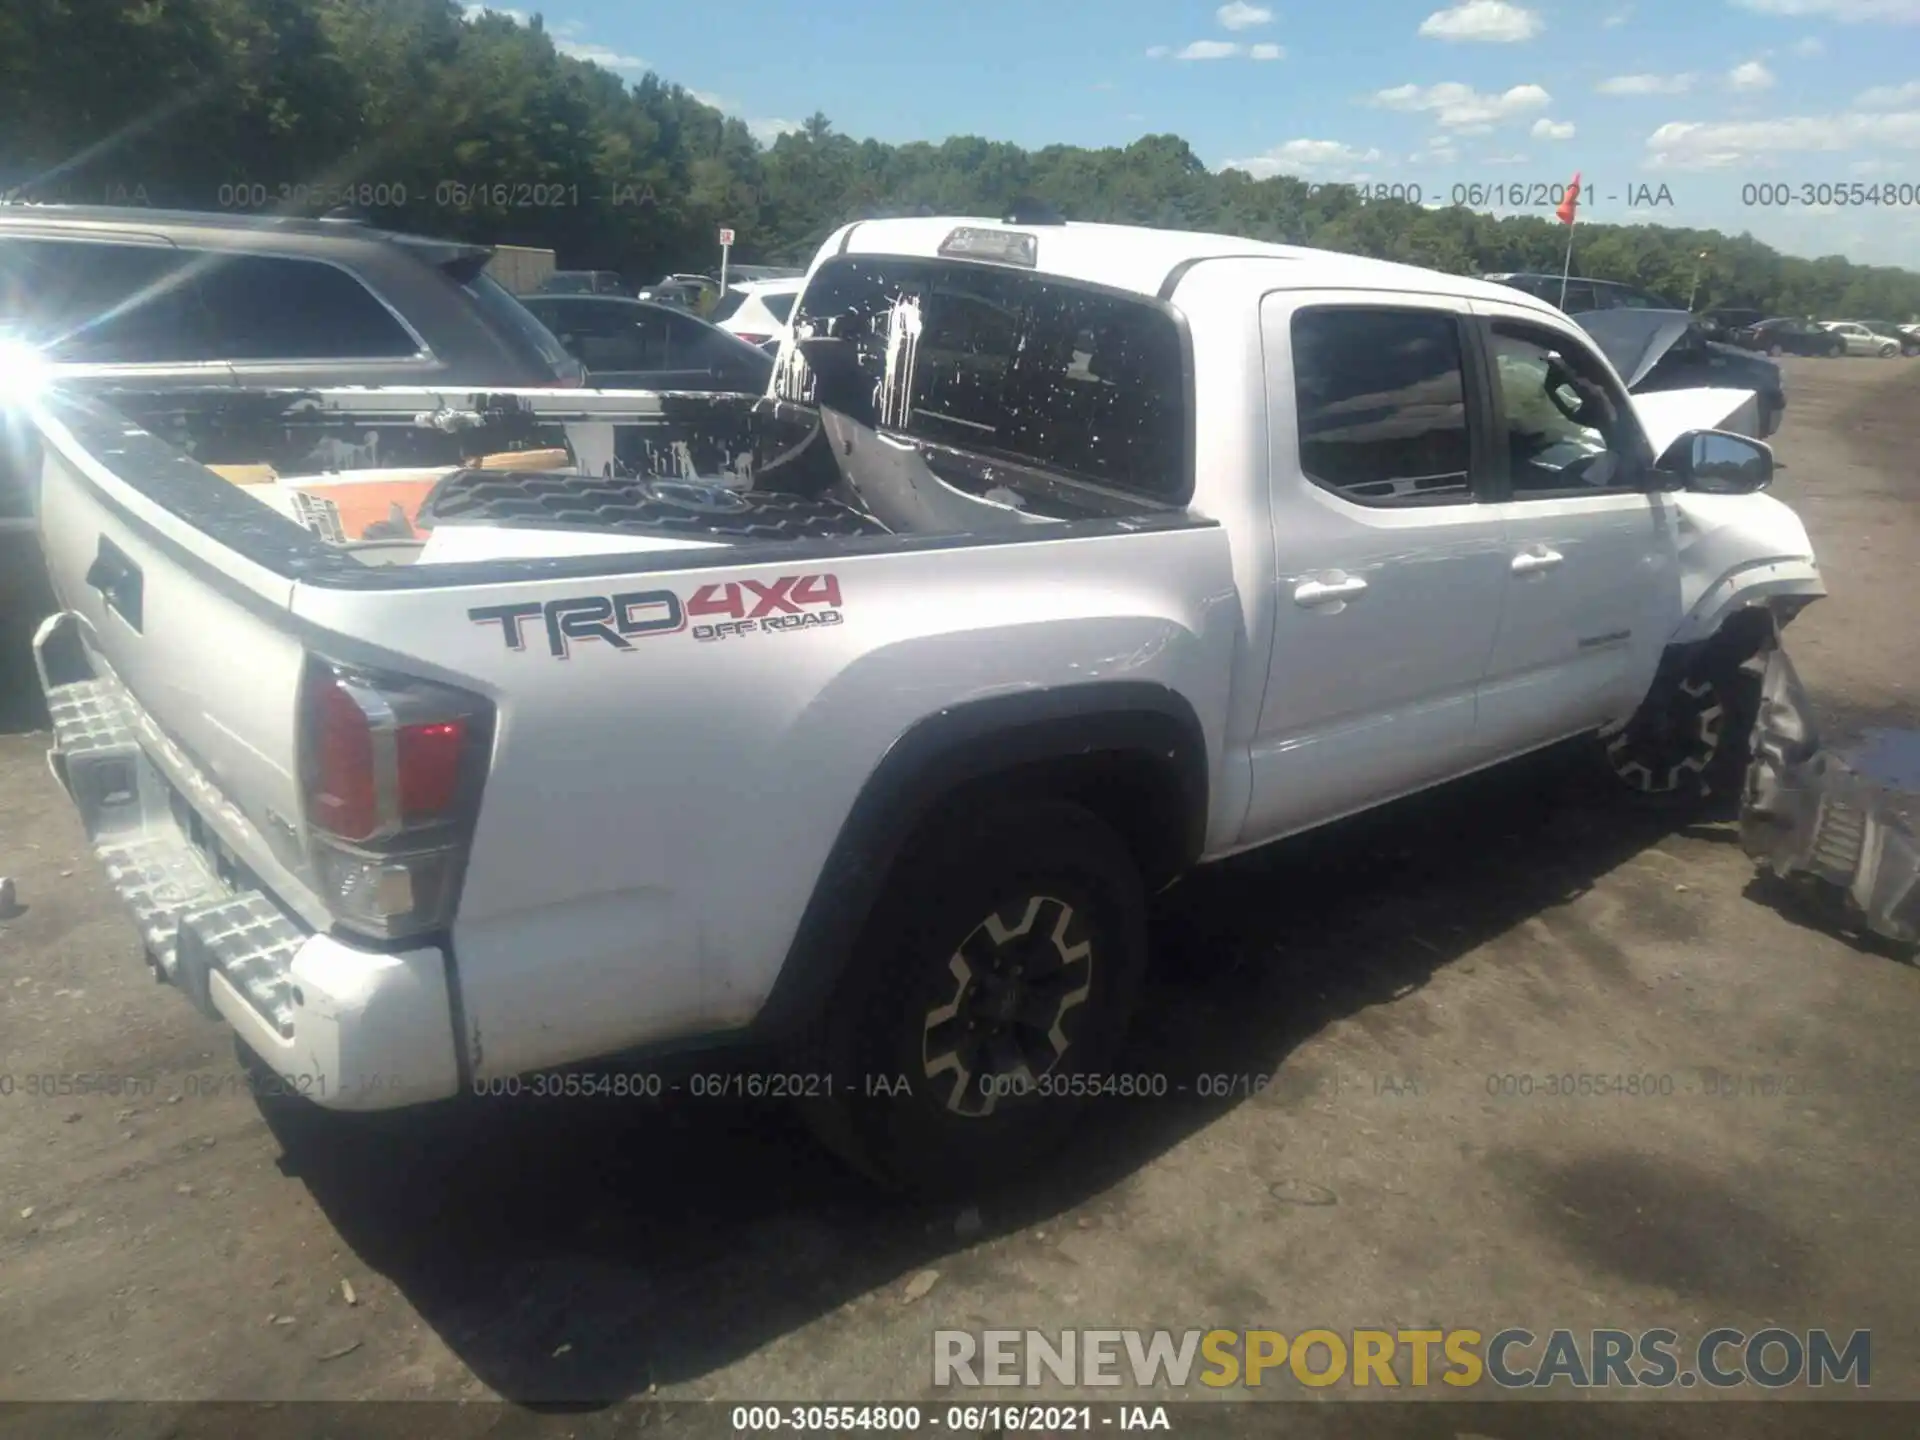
(1570,206)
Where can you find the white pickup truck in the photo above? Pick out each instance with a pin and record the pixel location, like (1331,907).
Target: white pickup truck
(860,720)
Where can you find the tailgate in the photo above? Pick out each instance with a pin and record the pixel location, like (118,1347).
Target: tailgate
(197,637)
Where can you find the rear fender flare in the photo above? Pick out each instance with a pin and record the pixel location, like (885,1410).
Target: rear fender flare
(965,746)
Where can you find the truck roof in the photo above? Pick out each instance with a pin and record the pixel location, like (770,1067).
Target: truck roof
(1149,262)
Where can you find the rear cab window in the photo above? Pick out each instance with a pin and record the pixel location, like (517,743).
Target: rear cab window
(1057,377)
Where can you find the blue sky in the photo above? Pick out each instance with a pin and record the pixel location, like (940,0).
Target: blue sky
(1704,97)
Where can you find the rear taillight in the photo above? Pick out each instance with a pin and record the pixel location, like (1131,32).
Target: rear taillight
(392,769)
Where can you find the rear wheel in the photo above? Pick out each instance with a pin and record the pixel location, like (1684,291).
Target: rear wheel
(996,977)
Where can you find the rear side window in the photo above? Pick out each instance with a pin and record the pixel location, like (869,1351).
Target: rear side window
(729,306)
(1381,396)
(1048,373)
(94,303)
(271,308)
(779,306)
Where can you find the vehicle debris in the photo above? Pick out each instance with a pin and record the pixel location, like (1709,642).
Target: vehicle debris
(1840,817)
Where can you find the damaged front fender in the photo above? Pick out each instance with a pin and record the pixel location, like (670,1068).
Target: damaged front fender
(1738,551)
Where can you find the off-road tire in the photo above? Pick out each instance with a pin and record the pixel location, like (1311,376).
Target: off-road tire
(1043,890)
(1686,750)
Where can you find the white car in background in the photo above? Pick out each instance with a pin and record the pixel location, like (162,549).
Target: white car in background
(1860,340)
(758,311)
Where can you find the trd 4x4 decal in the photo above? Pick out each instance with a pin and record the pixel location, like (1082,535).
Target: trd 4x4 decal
(792,602)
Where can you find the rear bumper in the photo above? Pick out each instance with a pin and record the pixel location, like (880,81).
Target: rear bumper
(348,1028)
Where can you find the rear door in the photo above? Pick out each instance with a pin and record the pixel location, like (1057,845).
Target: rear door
(1591,588)
(1391,567)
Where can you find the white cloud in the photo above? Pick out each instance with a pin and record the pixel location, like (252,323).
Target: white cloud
(1888,97)
(1490,20)
(1750,78)
(604,56)
(1545,129)
(1618,18)
(1848,12)
(1239,15)
(1457,106)
(1504,160)
(1326,160)
(1217,50)
(1691,145)
(1647,84)
(1304,155)
(601,55)
(1877,167)
(717,102)
(768,131)
(1811,46)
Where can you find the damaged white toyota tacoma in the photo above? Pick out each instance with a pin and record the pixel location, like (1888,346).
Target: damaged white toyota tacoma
(855,723)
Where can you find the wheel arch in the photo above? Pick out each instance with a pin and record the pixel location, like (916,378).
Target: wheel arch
(1133,752)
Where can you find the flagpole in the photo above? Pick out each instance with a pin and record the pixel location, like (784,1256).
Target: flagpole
(1566,267)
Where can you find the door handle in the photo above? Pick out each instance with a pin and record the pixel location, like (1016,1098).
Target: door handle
(118,580)
(1321,592)
(1532,562)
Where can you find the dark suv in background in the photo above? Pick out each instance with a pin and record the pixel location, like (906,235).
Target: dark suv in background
(157,298)
(1659,345)
(160,299)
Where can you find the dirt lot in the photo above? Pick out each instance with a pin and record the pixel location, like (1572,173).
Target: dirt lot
(171,1246)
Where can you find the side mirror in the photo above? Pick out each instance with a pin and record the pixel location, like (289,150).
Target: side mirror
(1717,462)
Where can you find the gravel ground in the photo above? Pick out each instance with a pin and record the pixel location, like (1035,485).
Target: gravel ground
(173,1245)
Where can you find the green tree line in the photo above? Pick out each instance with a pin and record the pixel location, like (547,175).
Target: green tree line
(482,129)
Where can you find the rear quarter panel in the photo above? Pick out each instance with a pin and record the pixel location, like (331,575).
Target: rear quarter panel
(656,819)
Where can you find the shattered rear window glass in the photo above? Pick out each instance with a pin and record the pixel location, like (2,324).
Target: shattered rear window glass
(1042,371)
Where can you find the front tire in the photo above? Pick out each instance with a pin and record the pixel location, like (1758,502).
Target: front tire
(996,976)
(1686,748)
